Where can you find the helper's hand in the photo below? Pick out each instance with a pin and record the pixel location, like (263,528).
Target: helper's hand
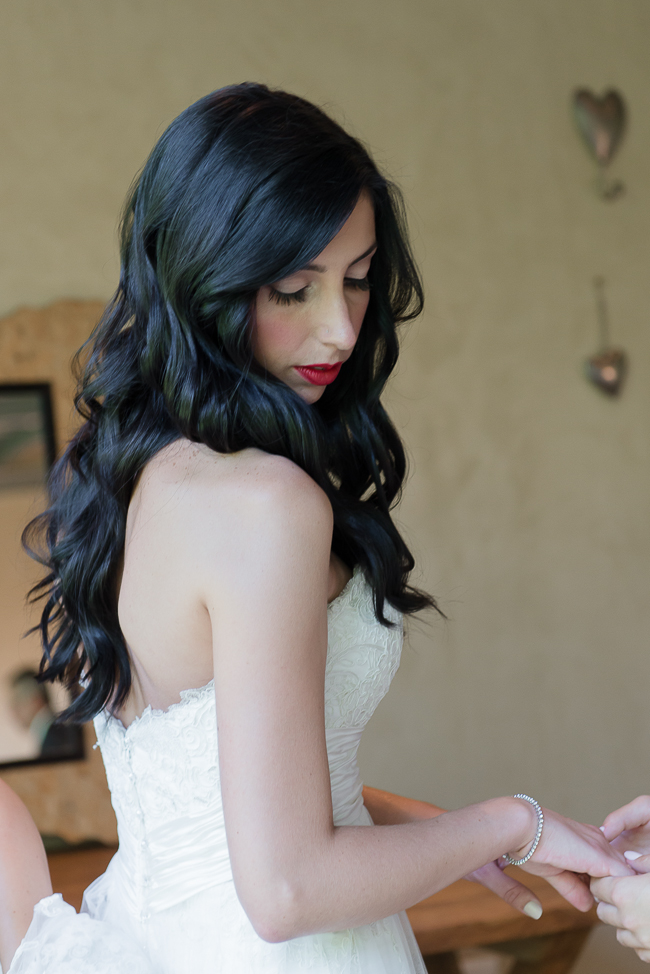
(568,848)
(625,903)
(628,828)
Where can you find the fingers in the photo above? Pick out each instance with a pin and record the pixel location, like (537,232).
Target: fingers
(629,816)
(604,889)
(609,914)
(628,939)
(513,892)
(579,848)
(622,869)
(640,864)
(639,943)
(608,861)
(625,904)
(618,865)
(574,890)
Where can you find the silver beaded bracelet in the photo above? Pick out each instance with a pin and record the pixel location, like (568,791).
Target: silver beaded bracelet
(538,834)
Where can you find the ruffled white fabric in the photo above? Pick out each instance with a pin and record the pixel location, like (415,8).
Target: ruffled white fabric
(62,941)
(167,903)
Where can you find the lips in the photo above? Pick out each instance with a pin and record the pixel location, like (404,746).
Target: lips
(319,375)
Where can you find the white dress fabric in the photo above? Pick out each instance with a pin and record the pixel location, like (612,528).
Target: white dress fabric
(167,902)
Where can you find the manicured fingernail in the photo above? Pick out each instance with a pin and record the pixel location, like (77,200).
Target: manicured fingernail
(533,910)
(630,854)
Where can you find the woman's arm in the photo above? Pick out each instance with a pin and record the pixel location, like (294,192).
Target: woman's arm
(385,808)
(24,873)
(262,556)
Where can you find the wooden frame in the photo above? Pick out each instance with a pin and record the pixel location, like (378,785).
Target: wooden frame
(66,798)
(27,452)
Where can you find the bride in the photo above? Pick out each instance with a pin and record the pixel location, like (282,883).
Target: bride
(226,585)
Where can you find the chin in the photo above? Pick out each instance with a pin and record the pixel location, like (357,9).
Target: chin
(312,394)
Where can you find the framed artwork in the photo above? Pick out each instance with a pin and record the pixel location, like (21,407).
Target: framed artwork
(28,709)
(26,434)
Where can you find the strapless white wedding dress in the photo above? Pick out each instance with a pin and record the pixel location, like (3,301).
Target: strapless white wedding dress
(167,902)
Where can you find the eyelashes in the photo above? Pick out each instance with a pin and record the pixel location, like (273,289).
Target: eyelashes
(297,297)
(285,297)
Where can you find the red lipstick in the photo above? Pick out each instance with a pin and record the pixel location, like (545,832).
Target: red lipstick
(319,375)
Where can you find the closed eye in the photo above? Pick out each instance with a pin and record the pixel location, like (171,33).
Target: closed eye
(297,297)
(358,283)
(288,297)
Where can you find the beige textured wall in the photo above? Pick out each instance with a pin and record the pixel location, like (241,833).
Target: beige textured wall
(528,504)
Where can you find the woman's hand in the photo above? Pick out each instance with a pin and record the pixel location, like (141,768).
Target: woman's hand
(566,848)
(625,903)
(566,851)
(628,828)
(511,890)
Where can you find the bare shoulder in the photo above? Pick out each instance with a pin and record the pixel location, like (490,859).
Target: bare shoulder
(275,484)
(260,528)
(241,492)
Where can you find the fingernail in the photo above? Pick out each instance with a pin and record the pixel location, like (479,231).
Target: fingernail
(533,910)
(630,854)
(602,828)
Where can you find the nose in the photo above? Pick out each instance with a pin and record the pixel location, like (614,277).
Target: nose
(336,327)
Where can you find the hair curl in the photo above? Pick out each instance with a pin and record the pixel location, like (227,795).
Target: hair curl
(244,188)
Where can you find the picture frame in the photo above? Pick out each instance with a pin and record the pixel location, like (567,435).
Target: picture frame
(27,446)
(28,707)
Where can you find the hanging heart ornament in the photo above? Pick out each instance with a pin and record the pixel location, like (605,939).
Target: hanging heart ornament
(607,370)
(600,121)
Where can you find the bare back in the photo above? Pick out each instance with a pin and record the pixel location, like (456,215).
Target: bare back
(161,608)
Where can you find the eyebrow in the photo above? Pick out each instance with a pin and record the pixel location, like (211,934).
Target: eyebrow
(321,269)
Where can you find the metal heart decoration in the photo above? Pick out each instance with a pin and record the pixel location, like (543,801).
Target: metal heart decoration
(600,121)
(607,370)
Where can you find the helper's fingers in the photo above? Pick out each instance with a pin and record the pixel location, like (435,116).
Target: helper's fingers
(641,864)
(630,816)
(628,939)
(609,914)
(603,889)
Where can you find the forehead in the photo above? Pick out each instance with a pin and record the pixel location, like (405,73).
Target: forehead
(354,238)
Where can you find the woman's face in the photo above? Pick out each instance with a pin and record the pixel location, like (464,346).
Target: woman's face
(306,325)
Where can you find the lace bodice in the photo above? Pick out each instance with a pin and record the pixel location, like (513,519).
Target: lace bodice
(163,770)
(362,656)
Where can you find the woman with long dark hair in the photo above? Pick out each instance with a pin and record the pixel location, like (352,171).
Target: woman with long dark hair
(226,587)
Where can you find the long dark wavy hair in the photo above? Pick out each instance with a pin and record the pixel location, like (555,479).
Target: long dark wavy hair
(244,188)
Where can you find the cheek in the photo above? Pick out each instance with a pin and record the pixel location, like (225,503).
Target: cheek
(273,336)
(358,313)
